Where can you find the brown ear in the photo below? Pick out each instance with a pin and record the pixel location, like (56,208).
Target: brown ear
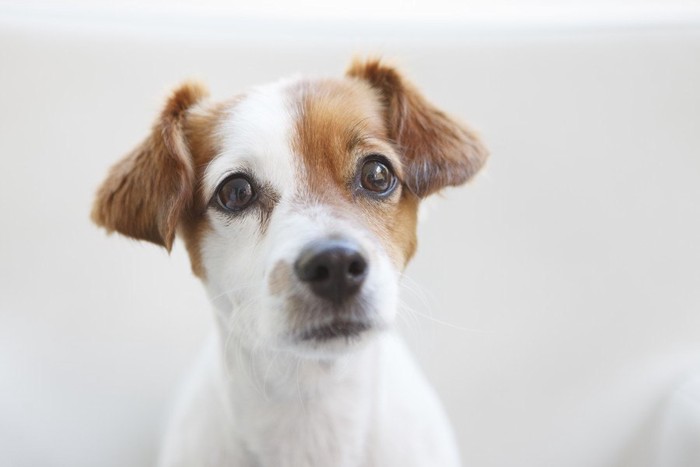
(146,193)
(437,150)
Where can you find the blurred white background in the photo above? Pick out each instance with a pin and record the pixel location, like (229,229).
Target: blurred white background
(556,299)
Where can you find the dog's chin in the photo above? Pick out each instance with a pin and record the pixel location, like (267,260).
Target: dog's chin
(319,329)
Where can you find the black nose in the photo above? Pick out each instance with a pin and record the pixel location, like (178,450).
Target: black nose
(334,269)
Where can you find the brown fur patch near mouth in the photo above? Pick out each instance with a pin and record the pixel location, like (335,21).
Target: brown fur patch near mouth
(280,279)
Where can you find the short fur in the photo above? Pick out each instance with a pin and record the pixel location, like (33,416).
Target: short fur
(279,384)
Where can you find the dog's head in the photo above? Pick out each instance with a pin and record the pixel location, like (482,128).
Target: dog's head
(297,201)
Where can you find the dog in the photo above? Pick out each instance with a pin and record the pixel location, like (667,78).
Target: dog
(297,202)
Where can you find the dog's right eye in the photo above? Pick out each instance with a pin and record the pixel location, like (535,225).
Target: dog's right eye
(235,193)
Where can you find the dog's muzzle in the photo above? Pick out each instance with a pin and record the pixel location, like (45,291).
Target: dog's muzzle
(333,269)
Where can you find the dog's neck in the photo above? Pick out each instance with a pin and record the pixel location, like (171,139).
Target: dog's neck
(290,410)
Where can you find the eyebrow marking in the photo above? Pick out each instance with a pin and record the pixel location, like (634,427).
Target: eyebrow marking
(268,201)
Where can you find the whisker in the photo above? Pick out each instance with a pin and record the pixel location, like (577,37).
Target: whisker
(267,373)
(427,298)
(418,291)
(235,289)
(301,398)
(447,323)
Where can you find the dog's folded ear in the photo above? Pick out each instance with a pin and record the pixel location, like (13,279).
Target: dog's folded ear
(146,193)
(438,151)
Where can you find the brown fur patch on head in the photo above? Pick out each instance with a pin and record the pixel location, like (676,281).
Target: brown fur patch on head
(146,193)
(438,151)
(335,119)
(338,124)
(154,190)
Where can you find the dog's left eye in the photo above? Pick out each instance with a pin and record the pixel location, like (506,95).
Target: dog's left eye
(235,193)
(377,177)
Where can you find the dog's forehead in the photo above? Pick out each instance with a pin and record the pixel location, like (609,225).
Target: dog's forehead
(294,127)
(254,135)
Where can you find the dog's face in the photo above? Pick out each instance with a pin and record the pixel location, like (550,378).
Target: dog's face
(297,201)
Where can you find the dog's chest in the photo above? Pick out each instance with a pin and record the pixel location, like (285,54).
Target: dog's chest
(310,436)
(329,424)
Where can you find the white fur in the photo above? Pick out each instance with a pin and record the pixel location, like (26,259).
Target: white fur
(259,397)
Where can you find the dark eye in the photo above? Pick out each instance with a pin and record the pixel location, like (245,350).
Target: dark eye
(235,193)
(377,177)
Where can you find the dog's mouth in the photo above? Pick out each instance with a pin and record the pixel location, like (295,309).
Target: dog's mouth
(338,328)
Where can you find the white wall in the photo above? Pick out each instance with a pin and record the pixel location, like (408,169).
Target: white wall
(523,12)
(557,298)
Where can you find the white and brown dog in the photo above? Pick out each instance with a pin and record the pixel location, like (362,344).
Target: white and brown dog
(297,202)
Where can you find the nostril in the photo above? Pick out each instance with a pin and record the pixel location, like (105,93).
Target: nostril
(357,267)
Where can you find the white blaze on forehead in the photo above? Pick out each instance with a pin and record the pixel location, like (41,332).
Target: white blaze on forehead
(256,135)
